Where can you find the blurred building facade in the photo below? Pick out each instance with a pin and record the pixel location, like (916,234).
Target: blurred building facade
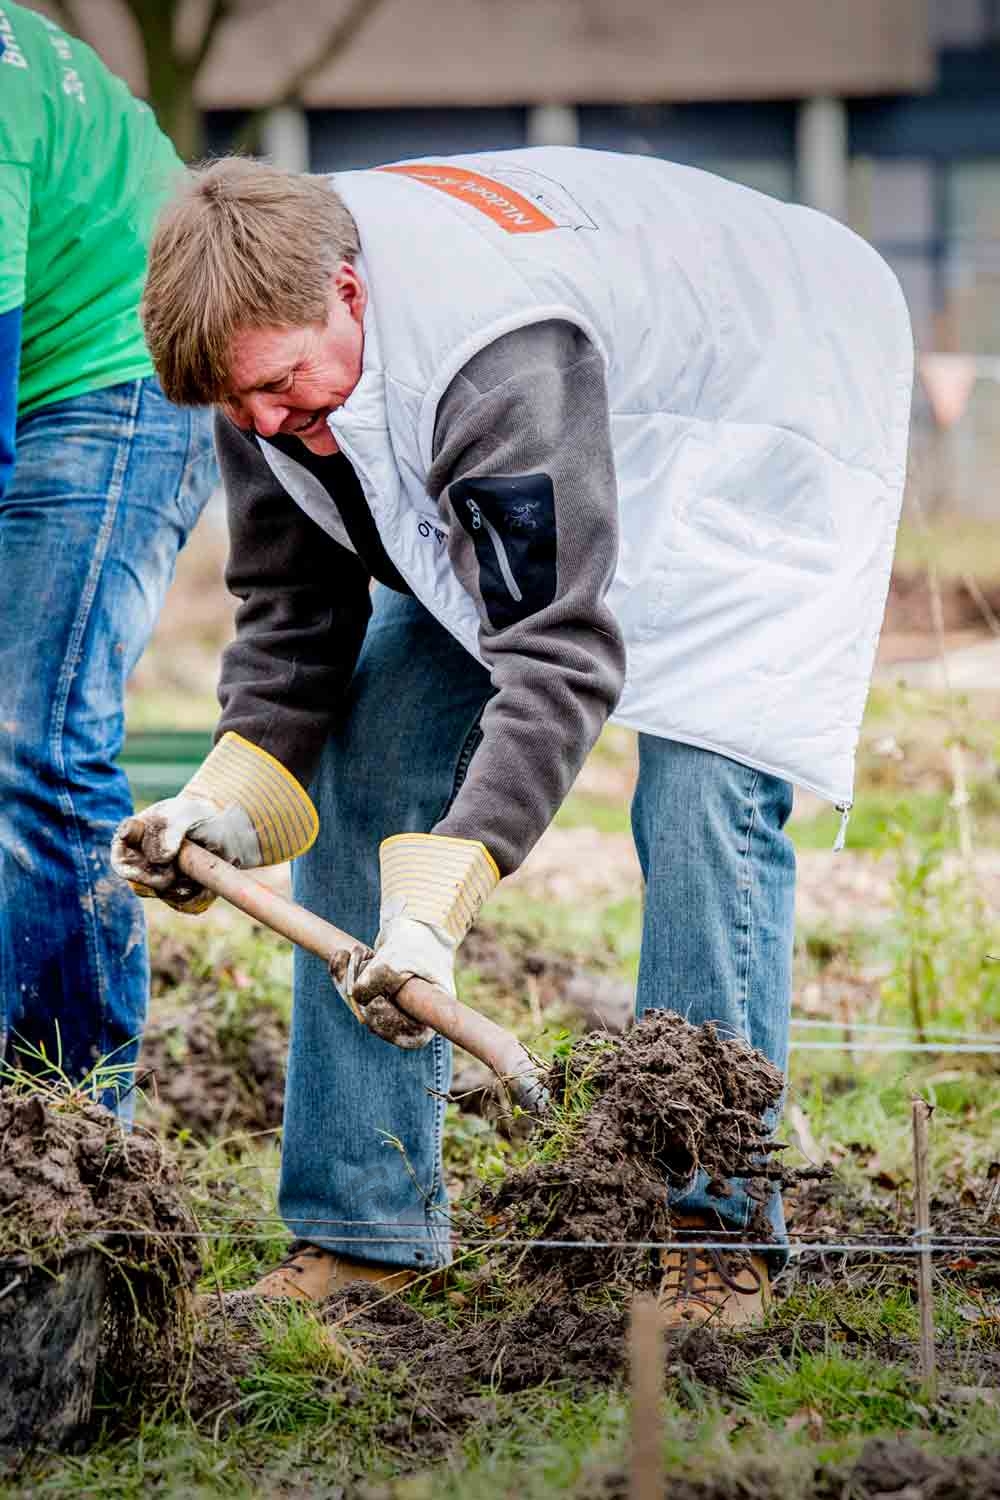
(885,113)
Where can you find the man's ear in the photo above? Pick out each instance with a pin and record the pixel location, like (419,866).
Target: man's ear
(349,288)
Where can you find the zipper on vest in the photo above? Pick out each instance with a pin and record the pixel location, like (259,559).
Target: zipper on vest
(503,561)
(844,808)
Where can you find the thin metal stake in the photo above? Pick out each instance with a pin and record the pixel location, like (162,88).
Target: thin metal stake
(922,1112)
(646,1369)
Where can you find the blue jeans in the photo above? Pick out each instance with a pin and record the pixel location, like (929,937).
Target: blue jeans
(363,1120)
(106,487)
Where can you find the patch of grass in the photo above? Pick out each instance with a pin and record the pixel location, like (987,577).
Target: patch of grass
(958,544)
(296,1382)
(564,1116)
(243,965)
(889,1312)
(473,1151)
(533,1446)
(848,1395)
(234,1186)
(584,809)
(604,936)
(859,1112)
(162,1458)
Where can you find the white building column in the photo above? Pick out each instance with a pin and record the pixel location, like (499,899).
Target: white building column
(553,125)
(284,138)
(821,155)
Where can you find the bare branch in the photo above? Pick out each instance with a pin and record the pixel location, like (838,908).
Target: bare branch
(340,36)
(217,14)
(338,39)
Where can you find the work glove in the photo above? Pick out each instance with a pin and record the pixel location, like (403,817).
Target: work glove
(432,890)
(241,804)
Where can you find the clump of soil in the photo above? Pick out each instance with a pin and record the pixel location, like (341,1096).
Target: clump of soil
(898,1467)
(71,1176)
(228,1344)
(628,1118)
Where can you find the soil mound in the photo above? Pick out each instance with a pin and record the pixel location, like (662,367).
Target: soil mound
(667,1101)
(583,1346)
(71,1176)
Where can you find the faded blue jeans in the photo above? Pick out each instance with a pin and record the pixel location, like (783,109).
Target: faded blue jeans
(363,1120)
(106,487)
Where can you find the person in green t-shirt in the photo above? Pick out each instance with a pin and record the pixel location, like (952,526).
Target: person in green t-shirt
(101,479)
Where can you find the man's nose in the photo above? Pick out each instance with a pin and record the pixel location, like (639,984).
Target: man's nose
(266,415)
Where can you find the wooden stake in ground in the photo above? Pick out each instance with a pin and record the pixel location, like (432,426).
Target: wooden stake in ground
(922,1112)
(646,1479)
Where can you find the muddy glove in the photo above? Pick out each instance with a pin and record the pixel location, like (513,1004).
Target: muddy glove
(241,804)
(432,890)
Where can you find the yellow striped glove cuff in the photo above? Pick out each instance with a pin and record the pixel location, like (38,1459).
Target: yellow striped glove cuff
(280,810)
(436,879)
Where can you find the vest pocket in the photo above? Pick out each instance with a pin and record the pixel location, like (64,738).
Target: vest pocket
(512,525)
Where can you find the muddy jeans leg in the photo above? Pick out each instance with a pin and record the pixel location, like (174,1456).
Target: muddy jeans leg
(363,1120)
(106,486)
(719,918)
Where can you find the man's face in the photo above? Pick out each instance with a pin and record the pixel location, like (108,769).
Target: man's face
(288,380)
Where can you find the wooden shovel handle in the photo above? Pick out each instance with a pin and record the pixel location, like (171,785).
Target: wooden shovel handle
(498,1048)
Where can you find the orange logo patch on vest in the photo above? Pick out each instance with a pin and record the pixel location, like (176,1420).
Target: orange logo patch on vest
(511,210)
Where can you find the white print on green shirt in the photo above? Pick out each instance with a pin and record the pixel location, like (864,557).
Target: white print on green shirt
(10,52)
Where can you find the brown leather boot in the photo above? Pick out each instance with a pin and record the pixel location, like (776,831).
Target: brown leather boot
(727,1287)
(312,1274)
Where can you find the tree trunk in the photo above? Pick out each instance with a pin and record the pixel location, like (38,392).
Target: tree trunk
(170,78)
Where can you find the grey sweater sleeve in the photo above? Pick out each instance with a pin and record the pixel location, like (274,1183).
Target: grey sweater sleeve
(302,617)
(524,478)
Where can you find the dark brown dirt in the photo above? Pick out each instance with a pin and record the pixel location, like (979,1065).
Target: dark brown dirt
(628,1117)
(211,1079)
(68,1169)
(563,1341)
(675,1097)
(834,1212)
(210,1065)
(70,1175)
(443,1377)
(228,1344)
(887,1469)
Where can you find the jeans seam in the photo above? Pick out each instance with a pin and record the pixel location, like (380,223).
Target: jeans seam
(747,927)
(432,1208)
(113,494)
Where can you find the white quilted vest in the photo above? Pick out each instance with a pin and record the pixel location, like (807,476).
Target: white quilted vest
(759,365)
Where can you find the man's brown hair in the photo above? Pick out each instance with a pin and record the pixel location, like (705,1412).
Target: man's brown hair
(241,245)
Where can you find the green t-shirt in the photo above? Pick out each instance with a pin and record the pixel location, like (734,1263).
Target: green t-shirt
(83,170)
